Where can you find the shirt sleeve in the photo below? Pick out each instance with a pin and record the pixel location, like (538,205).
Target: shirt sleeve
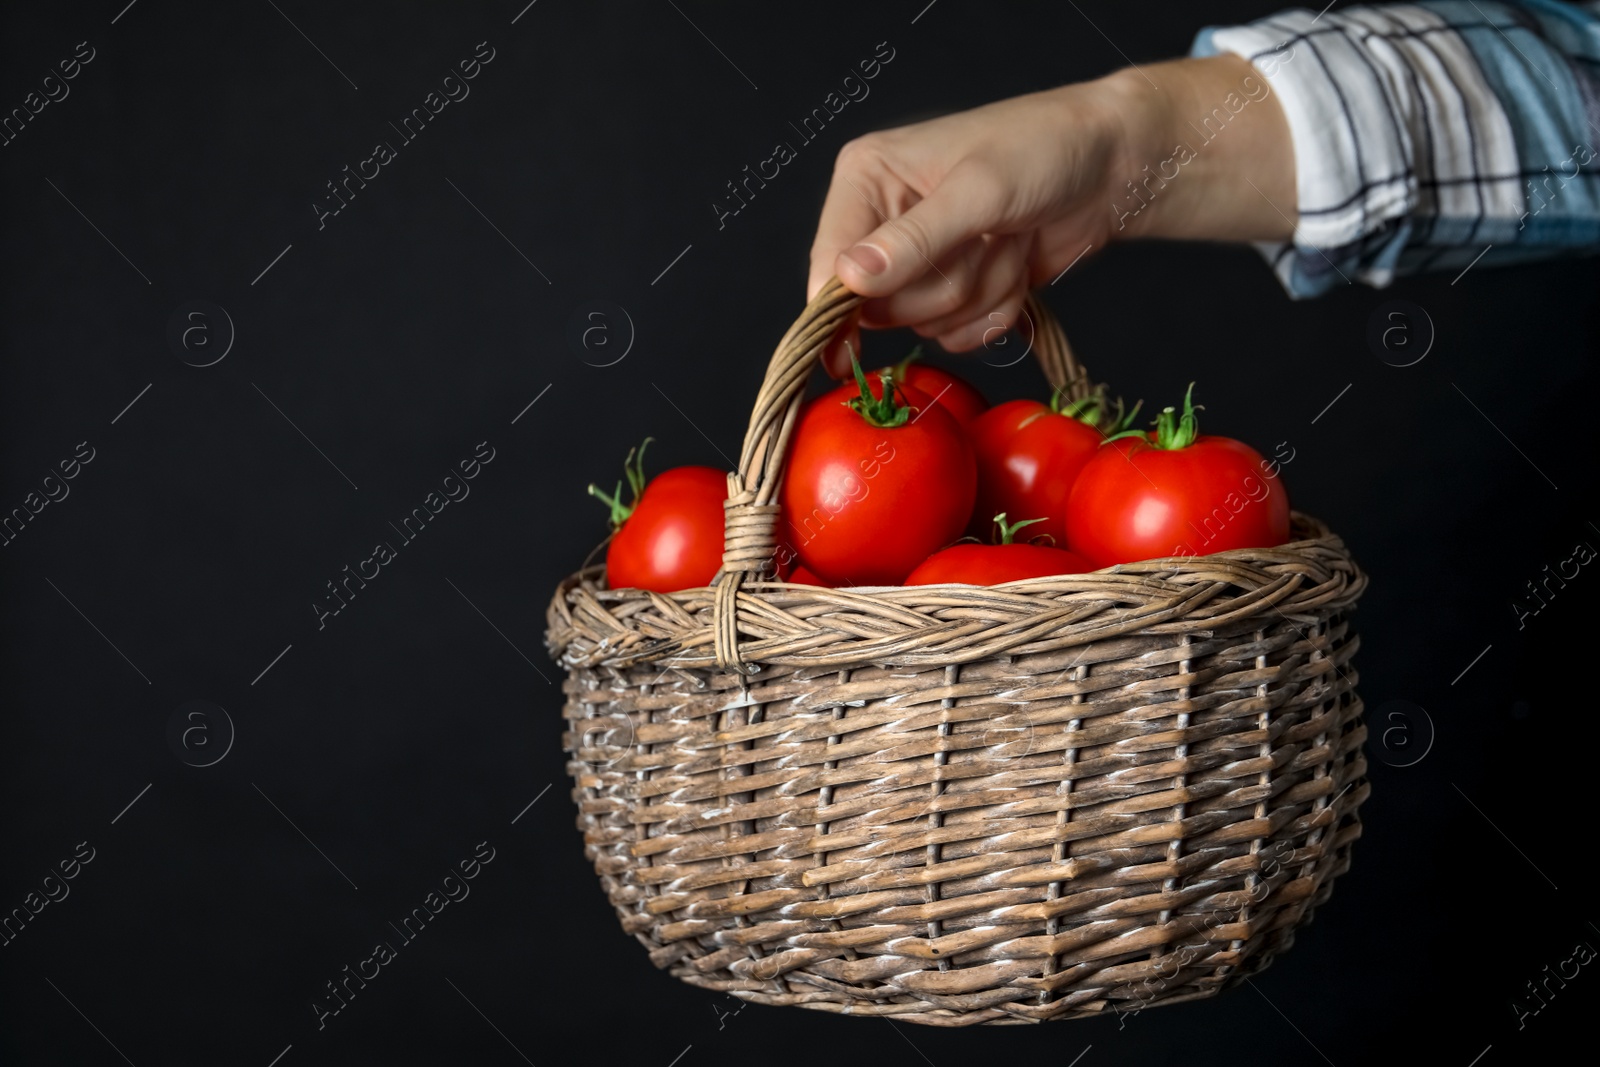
(1428,136)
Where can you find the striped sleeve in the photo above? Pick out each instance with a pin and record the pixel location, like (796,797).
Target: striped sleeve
(1429,135)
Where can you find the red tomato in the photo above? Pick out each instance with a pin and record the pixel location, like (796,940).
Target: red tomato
(787,570)
(873,487)
(956,395)
(801,576)
(972,564)
(1028,457)
(1175,493)
(670,537)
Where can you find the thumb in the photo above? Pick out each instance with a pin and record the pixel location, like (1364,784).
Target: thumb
(965,204)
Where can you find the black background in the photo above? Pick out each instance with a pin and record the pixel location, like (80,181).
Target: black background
(423,719)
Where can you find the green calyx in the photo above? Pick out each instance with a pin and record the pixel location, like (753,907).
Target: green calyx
(1173,429)
(901,367)
(1093,410)
(1009,530)
(1178,431)
(633,467)
(884,412)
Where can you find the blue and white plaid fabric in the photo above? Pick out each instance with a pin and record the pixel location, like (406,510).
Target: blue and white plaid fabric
(1426,133)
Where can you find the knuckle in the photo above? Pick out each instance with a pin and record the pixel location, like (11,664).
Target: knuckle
(961,338)
(856,152)
(910,231)
(1006,314)
(950,296)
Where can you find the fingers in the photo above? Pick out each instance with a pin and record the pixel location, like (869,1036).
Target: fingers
(936,294)
(847,214)
(974,299)
(902,249)
(926,255)
(845,218)
(1000,277)
(985,330)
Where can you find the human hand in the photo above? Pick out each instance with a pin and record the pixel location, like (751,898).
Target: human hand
(946,225)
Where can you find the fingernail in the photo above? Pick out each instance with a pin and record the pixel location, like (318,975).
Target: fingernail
(868,258)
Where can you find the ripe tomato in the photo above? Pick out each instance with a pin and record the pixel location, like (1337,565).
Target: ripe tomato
(670,537)
(1175,493)
(872,485)
(956,395)
(801,576)
(973,564)
(1028,457)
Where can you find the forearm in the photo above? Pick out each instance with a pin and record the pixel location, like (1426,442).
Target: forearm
(1204,153)
(1423,134)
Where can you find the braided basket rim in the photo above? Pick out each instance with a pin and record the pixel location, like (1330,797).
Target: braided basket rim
(683,619)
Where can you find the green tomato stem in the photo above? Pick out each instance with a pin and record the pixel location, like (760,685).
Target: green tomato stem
(619,510)
(1094,411)
(1125,421)
(881,412)
(1085,409)
(901,367)
(1009,530)
(1174,431)
(633,467)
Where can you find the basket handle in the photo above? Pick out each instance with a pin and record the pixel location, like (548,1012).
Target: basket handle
(751,511)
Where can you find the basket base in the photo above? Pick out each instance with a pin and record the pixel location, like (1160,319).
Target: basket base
(1012,1012)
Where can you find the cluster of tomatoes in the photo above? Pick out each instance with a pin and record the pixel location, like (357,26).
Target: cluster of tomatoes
(909,477)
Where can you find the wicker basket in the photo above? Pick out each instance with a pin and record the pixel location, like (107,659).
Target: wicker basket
(953,804)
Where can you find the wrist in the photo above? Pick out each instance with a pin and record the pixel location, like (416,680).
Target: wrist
(1141,125)
(1204,152)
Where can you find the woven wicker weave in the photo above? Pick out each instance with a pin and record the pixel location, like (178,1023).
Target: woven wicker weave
(955,804)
